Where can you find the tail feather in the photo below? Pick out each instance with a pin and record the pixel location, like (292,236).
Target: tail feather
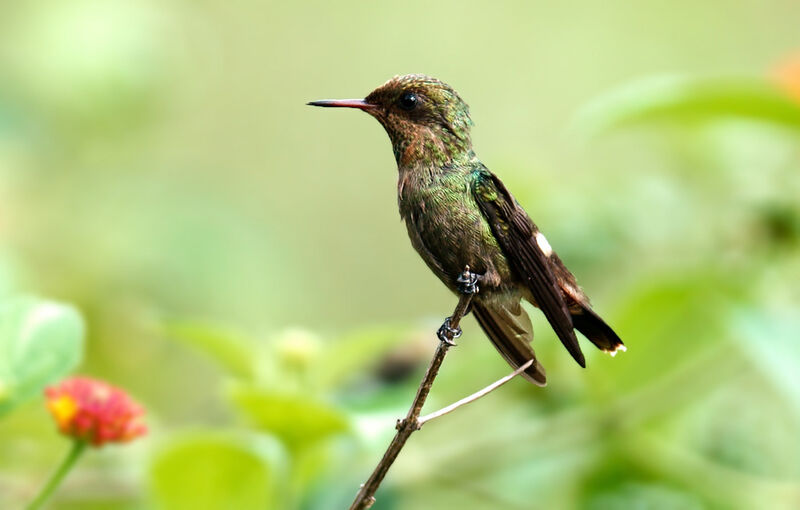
(596,330)
(509,328)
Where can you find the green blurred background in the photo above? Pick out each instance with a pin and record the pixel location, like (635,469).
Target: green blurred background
(242,270)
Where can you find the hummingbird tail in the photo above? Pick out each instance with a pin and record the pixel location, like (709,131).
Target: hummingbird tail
(509,328)
(596,330)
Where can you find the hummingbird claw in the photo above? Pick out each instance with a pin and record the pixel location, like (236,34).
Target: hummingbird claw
(468,282)
(447,334)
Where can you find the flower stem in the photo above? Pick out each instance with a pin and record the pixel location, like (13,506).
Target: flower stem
(78,446)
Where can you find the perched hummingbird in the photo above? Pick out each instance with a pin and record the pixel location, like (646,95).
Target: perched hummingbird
(458,213)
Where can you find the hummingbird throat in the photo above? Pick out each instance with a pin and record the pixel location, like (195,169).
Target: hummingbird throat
(425,145)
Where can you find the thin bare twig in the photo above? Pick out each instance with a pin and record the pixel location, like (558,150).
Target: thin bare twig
(412,422)
(475,396)
(366,495)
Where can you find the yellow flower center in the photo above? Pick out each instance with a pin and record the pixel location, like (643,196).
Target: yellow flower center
(63,409)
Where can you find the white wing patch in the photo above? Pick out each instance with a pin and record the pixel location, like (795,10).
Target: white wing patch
(619,348)
(541,240)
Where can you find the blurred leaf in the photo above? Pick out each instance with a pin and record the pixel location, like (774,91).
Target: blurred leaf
(755,443)
(215,471)
(720,485)
(230,350)
(297,419)
(680,99)
(665,324)
(652,495)
(350,354)
(40,342)
(769,338)
(321,471)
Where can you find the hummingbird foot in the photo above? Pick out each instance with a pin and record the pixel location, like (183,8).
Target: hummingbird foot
(468,282)
(447,334)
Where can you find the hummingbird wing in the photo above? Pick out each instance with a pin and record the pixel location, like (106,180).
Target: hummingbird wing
(509,328)
(527,253)
(584,318)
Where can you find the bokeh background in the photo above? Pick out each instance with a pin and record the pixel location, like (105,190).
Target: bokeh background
(241,269)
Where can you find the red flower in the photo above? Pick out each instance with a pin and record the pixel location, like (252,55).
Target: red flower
(94,411)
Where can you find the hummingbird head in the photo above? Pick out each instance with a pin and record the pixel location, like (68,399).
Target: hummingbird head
(425,118)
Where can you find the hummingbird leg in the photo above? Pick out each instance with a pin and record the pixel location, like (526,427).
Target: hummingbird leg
(468,287)
(447,334)
(468,282)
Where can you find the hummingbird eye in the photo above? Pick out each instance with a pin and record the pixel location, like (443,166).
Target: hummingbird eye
(408,101)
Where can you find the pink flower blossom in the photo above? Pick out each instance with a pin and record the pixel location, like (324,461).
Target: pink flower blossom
(94,411)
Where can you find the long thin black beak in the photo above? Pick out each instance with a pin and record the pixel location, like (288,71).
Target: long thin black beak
(342,103)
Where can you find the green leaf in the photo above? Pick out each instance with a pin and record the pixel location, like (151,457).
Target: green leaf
(664,323)
(296,419)
(769,338)
(232,351)
(350,354)
(217,470)
(674,98)
(40,342)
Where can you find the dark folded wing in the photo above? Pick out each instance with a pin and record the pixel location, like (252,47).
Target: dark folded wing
(509,328)
(516,234)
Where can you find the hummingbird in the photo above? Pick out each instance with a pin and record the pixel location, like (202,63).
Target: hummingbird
(458,213)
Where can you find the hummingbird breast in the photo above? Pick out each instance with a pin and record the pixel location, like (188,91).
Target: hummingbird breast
(448,229)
